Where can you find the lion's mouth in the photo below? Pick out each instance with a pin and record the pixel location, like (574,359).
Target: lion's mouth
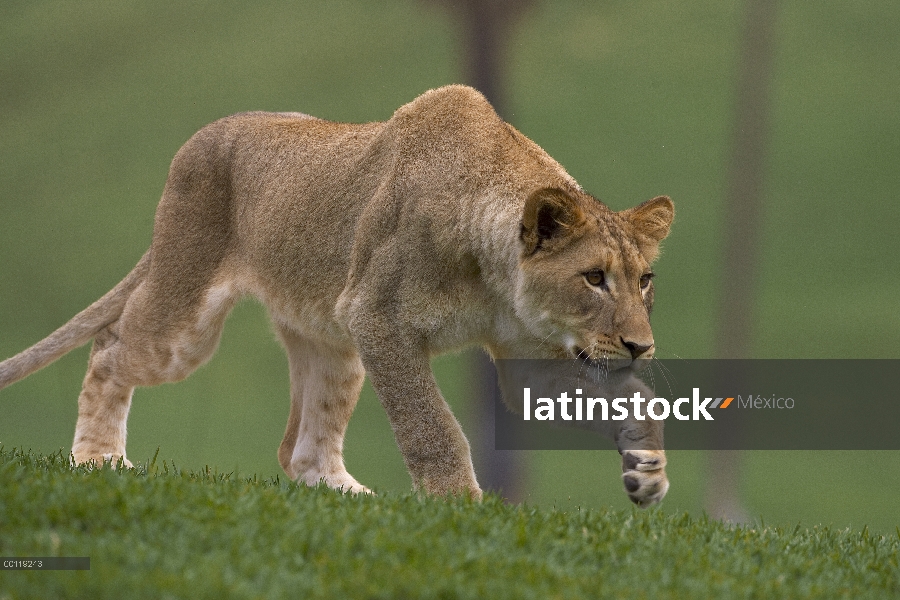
(605,363)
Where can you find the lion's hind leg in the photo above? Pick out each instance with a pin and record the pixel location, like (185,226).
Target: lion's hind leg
(326,380)
(103,407)
(162,336)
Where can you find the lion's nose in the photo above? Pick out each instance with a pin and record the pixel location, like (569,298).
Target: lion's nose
(635,349)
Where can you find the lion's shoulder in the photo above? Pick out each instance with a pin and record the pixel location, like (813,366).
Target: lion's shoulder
(450,104)
(455,129)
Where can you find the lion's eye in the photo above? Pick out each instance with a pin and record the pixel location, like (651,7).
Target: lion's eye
(595,277)
(645,280)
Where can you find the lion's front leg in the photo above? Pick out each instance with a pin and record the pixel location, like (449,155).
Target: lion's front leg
(431,441)
(643,461)
(640,443)
(644,476)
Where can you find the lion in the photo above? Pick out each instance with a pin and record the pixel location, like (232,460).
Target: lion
(373,247)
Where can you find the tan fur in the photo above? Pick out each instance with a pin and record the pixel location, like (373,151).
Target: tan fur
(374,247)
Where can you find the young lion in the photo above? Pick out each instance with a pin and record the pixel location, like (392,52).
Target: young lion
(374,247)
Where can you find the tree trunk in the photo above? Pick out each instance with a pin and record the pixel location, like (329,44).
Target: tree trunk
(743,215)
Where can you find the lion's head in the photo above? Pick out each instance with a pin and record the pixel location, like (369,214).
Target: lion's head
(585,285)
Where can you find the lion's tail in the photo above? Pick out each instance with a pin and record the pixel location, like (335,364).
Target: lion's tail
(77,332)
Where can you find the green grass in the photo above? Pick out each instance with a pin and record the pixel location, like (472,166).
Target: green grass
(159,532)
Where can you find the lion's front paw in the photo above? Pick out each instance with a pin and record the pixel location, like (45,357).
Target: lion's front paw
(644,476)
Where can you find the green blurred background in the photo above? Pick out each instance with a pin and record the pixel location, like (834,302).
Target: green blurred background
(635,99)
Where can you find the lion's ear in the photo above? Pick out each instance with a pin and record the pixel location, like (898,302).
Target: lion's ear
(650,223)
(550,214)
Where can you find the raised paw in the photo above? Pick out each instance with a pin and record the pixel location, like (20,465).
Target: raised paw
(644,476)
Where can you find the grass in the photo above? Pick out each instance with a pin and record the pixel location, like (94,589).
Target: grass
(160,532)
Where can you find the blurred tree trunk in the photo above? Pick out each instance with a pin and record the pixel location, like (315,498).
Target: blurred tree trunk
(486,27)
(742,229)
